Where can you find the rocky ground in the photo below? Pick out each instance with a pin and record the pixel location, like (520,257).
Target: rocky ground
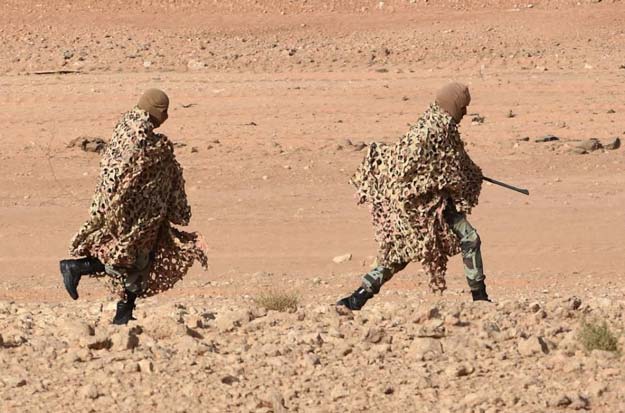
(273,102)
(227,355)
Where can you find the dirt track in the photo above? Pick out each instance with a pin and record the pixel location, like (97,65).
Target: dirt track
(266,99)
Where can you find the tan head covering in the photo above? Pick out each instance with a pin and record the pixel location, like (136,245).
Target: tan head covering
(453,98)
(155,102)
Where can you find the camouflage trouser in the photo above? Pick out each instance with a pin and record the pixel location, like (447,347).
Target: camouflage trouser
(134,277)
(471,256)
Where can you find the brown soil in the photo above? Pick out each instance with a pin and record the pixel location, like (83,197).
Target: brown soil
(266,92)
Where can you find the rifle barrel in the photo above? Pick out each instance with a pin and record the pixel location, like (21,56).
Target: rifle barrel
(514,188)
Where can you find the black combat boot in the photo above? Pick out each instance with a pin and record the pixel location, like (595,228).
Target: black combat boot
(124,309)
(72,270)
(357,300)
(480,294)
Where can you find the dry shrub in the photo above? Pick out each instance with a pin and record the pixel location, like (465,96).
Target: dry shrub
(278,300)
(595,335)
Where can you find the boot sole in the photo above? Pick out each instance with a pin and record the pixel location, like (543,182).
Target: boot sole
(68,280)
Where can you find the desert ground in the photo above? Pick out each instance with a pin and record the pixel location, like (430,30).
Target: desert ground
(271,105)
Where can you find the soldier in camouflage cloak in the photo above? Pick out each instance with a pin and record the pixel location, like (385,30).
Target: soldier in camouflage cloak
(420,190)
(129,237)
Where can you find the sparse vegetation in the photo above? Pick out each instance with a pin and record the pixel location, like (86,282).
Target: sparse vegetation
(596,335)
(282,301)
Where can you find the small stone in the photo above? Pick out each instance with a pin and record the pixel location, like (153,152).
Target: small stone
(590,145)
(194,149)
(374,335)
(196,65)
(229,379)
(90,391)
(574,303)
(547,138)
(535,307)
(76,329)
(613,144)
(146,366)
(579,151)
(359,146)
(561,400)
(477,119)
(100,341)
(532,346)
(459,370)
(124,340)
(596,389)
(342,258)
(312,359)
(423,348)
(230,320)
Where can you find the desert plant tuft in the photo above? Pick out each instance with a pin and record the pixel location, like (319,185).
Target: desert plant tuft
(278,300)
(595,335)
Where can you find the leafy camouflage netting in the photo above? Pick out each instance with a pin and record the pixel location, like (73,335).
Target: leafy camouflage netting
(139,195)
(409,184)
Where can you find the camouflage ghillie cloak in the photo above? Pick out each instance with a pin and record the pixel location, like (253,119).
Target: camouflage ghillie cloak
(140,193)
(409,185)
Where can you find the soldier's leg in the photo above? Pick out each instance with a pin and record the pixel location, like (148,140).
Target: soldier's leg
(134,279)
(371,284)
(374,279)
(470,244)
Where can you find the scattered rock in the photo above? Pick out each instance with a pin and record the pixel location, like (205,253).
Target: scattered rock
(146,366)
(125,339)
(229,379)
(342,258)
(196,65)
(547,138)
(423,348)
(374,335)
(359,146)
(100,341)
(477,119)
(90,391)
(230,320)
(312,359)
(590,145)
(88,144)
(613,144)
(459,370)
(532,346)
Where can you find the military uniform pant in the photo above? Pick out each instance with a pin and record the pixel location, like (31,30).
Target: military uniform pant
(471,256)
(135,277)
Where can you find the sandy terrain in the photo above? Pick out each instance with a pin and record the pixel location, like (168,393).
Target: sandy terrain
(264,95)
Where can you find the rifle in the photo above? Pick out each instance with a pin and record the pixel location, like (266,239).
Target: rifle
(514,188)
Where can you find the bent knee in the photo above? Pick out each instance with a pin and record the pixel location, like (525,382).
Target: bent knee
(470,241)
